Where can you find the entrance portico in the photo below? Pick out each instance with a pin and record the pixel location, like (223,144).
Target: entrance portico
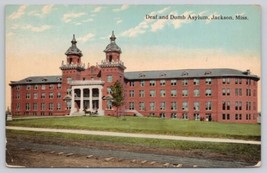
(86,95)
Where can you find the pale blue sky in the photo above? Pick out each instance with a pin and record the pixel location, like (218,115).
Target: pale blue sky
(44,25)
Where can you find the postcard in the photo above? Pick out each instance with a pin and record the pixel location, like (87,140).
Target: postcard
(130,86)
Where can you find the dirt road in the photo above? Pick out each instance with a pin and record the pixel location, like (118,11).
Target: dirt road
(34,151)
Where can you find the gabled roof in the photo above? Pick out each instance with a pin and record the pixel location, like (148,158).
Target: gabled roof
(38,80)
(188,73)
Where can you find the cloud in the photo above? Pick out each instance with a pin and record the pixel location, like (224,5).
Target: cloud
(118,21)
(86,37)
(70,16)
(139,29)
(19,13)
(97,9)
(44,11)
(159,24)
(88,20)
(36,29)
(122,8)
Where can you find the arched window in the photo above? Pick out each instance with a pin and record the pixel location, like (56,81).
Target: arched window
(110,58)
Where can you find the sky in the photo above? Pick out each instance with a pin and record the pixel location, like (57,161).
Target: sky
(37,36)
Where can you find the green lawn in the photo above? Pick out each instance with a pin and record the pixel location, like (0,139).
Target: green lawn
(148,125)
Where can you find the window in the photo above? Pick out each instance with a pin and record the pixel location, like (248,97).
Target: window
(248,81)
(58,106)
(173,106)
(51,86)
(248,92)
(248,116)
(238,116)
(36,87)
(162,115)
(173,93)
(43,96)
(141,93)
(35,95)
(131,105)
(43,106)
(131,93)
(162,93)
(228,106)
(109,91)
(185,93)
(152,83)
(141,106)
(28,87)
(43,87)
(51,95)
(226,116)
(185,82)
(185,106)
(51,106)
(196,106)
(184,116)
(238,81)
(162,82)
(173,82)
(59,86)
(196,93)
(238,105)
(208,81)
(152,106)
(240,91)
(28,96)
(18,87)
(223,91)
(208,106)
(35,106)
(196,81)
(152,93)
(68,105)
(223,81)
(208,92)
(142,83)
(18,95)
(27,106)
(228,80)
(228,91)
(69,79)
(58,95)
(162,105)
(131,83)
(110,79)
(173,115)
(17,106)
(109,105)
(248,105)
(196,116)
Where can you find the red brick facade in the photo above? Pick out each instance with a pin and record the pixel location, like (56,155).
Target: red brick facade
(223,95)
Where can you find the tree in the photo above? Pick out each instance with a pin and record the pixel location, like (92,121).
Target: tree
(117,94)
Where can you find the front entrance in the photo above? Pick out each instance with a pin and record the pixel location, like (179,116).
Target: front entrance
(208,117)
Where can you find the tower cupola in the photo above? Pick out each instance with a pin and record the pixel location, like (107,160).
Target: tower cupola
(73,50)
(112,46)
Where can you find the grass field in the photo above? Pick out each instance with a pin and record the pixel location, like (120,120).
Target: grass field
(148,125)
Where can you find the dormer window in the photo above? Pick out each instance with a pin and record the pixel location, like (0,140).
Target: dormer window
(28,80)
(44,80)
(207,73)
(185,73)
(110,58)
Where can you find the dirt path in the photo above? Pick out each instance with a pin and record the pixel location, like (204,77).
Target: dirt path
(120,134)
(38,152)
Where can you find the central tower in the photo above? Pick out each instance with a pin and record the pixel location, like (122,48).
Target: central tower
(112,70)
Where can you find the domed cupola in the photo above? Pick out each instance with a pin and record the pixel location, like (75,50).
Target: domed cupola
(112,46)
(73,50)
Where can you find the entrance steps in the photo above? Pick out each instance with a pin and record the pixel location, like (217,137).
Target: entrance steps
(134,112)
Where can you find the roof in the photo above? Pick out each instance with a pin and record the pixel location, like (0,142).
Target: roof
(188,73)
(38,80)
(73,50)
(112,46)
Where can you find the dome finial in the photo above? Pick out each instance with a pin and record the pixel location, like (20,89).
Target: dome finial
(73,40)
(112,37)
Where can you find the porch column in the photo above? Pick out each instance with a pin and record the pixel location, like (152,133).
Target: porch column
(72,101)
(81,100)
(100,108)
(91,99)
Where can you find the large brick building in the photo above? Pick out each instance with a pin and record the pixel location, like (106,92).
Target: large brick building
(223,95)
